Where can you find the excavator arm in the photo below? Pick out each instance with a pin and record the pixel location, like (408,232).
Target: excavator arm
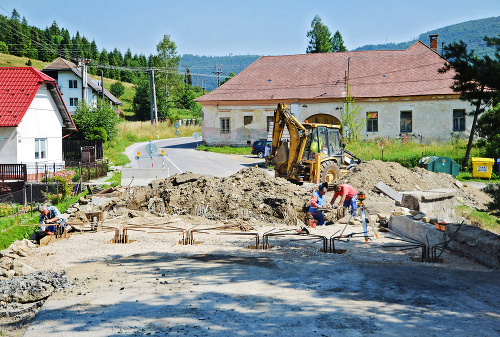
(285,158)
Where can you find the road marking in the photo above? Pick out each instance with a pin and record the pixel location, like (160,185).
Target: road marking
(171,162)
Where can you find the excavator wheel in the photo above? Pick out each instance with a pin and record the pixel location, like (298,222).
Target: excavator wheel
(329,172)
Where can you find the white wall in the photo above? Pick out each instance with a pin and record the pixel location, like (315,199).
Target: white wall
(431,118)
(8,147)
(63,84)
(42,120)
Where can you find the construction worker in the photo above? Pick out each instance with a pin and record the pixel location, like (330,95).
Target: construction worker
(49,215)
(267,151)
(318,201)
(348,197)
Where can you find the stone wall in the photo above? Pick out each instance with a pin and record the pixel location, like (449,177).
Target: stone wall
(473,242)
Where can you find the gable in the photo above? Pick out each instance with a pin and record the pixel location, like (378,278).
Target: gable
(18,87)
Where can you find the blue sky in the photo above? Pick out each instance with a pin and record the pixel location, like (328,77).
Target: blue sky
(259,27)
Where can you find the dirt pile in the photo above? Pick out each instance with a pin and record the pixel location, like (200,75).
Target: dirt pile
(250,193)
(365,176)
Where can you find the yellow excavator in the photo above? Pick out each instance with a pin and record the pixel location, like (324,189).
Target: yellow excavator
(314,153)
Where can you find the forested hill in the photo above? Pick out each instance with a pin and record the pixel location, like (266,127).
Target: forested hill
(471,32)
(210,65)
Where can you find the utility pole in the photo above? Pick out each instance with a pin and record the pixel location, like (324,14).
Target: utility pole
(83,65)
(186,74)
(102,83)
(154,113)
(218,71)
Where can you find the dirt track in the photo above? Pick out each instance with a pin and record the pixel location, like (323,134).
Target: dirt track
(155,286)
(219,287)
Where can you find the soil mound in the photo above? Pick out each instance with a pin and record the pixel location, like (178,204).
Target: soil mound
(250,193)
(365,176)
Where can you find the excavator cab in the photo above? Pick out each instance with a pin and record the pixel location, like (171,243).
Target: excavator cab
(322,139)
(313,152)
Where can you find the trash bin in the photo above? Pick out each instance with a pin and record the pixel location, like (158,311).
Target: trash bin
(482,167)
(498,162)
(440,164)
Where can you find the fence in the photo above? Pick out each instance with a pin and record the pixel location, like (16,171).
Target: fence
(72,148)
(13,172)
(44,172)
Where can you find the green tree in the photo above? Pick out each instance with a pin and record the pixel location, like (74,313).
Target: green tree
(487,129)
(142,100)
(319,36)
(3,48)
(351,123)
(92,120)
(474,79)
(338,43)
(168,77)
(231,75)
(117,89)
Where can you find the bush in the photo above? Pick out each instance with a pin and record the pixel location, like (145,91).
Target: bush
(117,89)
(90,120)
(493,190)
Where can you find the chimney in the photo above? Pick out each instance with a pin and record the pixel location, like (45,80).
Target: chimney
(434,42)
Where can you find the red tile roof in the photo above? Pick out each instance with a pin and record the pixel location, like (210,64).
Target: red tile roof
(18,87)
(376,73)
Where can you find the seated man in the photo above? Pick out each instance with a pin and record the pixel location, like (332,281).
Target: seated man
(348,197)
(318,201)
(48,215)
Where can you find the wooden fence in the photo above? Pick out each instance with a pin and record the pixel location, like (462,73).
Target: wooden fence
(13,172)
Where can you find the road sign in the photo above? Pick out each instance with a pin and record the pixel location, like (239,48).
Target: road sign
(151,149)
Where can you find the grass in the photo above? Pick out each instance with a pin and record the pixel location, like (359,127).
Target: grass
(226,149)
(480,219)
(126,98)
(136,132)
(409,153)
(12,231)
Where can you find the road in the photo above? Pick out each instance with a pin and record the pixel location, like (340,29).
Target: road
(181,156)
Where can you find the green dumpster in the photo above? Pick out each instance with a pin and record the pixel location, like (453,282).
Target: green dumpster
(440,164)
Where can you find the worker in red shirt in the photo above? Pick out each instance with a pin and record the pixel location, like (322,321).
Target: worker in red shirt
(348,197)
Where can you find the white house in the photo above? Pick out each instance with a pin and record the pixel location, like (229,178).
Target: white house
(74,84)
(397,92)
(33,118)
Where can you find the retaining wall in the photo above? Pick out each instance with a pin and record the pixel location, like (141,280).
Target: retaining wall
(481,245)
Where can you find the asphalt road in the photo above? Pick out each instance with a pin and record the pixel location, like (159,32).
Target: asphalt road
(181,156)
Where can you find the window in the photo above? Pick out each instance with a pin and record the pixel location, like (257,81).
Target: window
(372,121)
(224,125)
(73,84)
(40,148)
(247,120)
(270,122)
(73,101)
(405,121)
(458,120)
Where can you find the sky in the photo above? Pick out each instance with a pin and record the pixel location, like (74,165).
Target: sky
(258,27)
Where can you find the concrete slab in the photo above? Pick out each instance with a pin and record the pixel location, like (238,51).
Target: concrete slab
(438,204)
(389,191)
(142,176)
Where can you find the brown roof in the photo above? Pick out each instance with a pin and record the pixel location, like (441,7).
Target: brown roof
(375,73)
(61,64)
